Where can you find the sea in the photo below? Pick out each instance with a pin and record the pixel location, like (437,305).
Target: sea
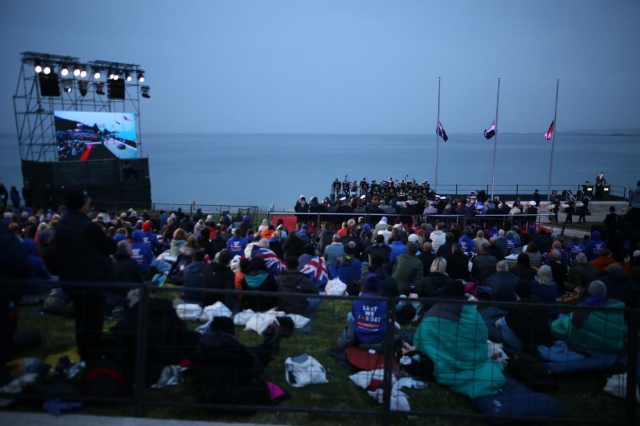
(276,169)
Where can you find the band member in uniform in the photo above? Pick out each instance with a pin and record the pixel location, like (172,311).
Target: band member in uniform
(570,210)
(354,187)
(346,186)
(584,208)
(364,186)
(336,185)
(600,183)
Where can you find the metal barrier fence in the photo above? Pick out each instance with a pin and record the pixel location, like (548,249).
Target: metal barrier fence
(150,343)
(487,220)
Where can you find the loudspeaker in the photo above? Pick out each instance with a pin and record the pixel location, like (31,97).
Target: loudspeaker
(115,89)
(49,85)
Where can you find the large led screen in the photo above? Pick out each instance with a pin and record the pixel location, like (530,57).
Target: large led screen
(83,135)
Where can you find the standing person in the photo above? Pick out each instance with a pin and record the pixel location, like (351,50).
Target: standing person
(600,183)
(15,197)
(634,199)
(27,195)
(4,197)
(584,208)
(83,251)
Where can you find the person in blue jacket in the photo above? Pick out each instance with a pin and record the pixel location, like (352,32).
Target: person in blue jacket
(39,270)
(594,246)
(141,252)
(237,244)
(466,241)
(149,237)
(574,248)
(369,317)
(348,268)
(398,247)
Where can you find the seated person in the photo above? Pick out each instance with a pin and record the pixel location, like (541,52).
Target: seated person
(193,278)
(348,268)
(141,251)
(523,329)
(454,337)
(314,267)
(292,281)
(502,283)
(389,286)
(582,273)
(258,278)
(594,330)
(219,276)
(546,289)
(523,269)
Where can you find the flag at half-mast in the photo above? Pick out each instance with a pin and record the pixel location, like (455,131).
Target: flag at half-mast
(440,132)
(491,131)
(549,133)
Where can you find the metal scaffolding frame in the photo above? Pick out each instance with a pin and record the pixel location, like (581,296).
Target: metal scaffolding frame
(34,113)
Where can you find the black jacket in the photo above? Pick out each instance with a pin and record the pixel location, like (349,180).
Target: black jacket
(83,249)
(293,246)
(503,286)
(389,286)
(219,277)
(458,266)
(126,270)
(294,282)
(531,326)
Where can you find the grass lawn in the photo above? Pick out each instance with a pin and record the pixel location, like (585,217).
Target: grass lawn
(582,395)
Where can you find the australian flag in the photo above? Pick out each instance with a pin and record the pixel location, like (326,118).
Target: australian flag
(317,271)
(491,131)
(440,132)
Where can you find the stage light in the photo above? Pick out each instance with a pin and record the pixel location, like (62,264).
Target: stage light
(64,71)
(116,76)
(97,75)
(76,71)
(82,87)
(67,85)
(145,92)
(38,67)
(141,76)
(47,70)
(83,73)
(128,76)
(99,88)
(111,75)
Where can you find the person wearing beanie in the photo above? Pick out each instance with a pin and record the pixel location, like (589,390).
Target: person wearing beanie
(594,330)
(348,268)
(84,251)
(149,237)
(369,317)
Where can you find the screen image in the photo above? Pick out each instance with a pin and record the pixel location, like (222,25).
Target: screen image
(83,135)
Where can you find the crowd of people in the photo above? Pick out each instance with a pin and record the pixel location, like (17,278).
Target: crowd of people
(385,259)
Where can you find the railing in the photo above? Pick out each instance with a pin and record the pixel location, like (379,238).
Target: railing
(487,220)
(522,190)
(327,324)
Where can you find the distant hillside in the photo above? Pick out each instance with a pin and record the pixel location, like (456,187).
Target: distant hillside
(624,131)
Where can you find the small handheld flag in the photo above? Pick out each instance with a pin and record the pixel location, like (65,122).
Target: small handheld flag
(491,131)
(440,132)
(549,133)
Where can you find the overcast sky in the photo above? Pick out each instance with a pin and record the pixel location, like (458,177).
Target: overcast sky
(345,66)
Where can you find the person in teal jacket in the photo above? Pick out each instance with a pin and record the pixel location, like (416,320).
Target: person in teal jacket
(454,337)
(594,330)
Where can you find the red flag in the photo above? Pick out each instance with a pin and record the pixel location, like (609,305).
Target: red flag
(549,133)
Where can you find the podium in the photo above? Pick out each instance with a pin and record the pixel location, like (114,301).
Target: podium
(606,189)
(588,190)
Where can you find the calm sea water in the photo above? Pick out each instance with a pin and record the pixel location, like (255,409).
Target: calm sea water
(253,169)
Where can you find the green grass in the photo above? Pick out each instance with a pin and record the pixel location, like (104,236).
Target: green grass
(582,395)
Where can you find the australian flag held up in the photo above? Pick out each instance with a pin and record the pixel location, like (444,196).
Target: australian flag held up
(491,131)
(440,132)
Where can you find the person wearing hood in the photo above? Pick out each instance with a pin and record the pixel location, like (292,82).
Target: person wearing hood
(258,278)
(467,243)
(512,242)
(264,226)
(348,268)
(38,269)
(438,237)
(141,252)
(293,281)
(594,246)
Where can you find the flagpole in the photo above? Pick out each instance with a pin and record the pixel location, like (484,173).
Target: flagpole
(437,139)
(495,143)
(553,139)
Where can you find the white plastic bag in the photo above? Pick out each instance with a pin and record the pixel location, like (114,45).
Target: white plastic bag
(189,311)
(241,318)
(363,379)
(260,321)
(298,320)
(617,386)
(335,287)
(495,352)
(304,370)
(218,309)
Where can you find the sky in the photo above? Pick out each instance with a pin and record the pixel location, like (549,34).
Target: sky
(347,66)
